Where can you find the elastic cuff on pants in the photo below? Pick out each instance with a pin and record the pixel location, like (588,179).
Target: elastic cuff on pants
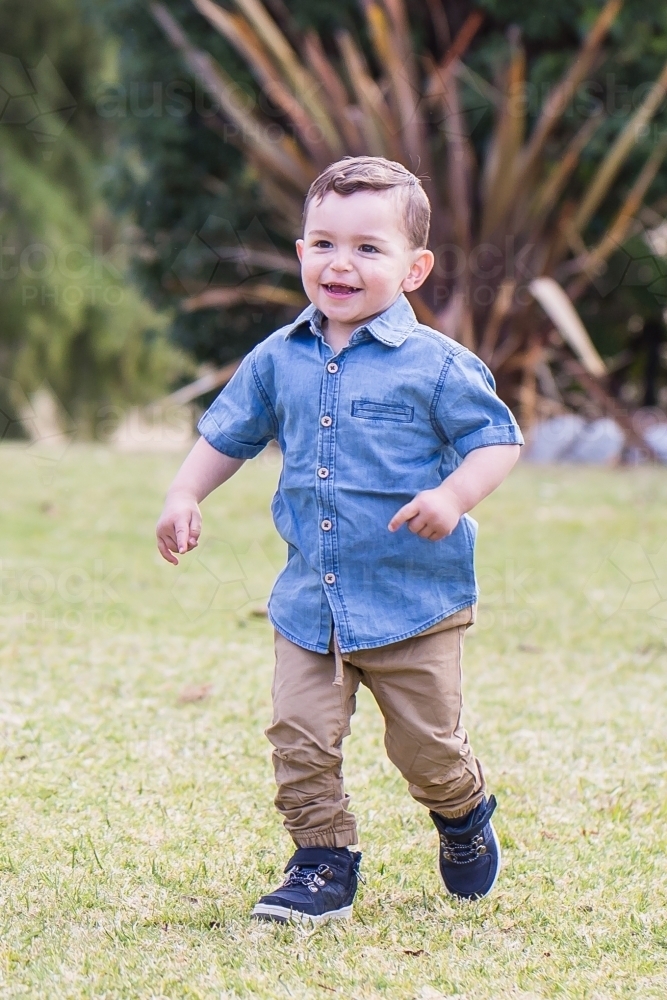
(458,813)
(327,838)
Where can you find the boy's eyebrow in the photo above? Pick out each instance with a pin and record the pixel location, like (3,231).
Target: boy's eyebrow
(361,236)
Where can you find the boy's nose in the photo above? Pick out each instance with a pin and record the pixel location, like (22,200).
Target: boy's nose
(341,263)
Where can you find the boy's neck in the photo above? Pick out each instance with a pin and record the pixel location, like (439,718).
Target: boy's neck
(337,335)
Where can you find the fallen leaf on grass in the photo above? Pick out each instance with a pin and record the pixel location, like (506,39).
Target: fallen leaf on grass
(415,952)
(652,647)
(549,836)
(194,692)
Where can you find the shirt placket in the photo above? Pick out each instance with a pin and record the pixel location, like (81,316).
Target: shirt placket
(325,490)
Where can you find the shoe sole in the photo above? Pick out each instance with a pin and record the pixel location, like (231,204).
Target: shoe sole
(286,915)
(481,895)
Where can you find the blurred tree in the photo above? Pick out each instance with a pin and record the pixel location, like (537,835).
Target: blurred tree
(186,183)
(70,315)
(201,208)
(634,291)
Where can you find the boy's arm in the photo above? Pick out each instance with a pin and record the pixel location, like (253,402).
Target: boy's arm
(434,514)
(203,471)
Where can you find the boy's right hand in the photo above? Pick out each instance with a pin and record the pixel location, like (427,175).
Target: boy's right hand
(179,527)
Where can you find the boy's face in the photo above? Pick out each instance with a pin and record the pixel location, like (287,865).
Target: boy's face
(356,258)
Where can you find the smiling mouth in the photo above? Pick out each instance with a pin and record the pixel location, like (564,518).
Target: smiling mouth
(340,290)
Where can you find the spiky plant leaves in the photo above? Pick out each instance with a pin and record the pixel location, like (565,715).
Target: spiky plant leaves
(503,216)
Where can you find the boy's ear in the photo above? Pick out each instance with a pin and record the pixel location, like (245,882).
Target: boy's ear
(422,266)
(299,249)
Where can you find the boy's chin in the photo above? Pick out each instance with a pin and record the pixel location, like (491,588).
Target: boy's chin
(348,309)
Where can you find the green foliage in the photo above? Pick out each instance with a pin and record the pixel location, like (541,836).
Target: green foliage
(181,177)
(70,314)
(181,174)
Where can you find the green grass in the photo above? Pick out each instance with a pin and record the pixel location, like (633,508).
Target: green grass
(137,829)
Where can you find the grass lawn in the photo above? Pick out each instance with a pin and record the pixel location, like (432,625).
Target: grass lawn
(137,826)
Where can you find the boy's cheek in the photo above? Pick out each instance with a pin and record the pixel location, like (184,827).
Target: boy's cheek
(309,276)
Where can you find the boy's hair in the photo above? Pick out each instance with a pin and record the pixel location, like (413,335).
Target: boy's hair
(374,173)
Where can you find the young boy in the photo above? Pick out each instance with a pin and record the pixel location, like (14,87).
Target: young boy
(390,433)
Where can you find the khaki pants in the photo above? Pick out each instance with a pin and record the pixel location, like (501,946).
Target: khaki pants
(417,685)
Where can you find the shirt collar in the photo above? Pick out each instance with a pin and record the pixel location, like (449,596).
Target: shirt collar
(391,327)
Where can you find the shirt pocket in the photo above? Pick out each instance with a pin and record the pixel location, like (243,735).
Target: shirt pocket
(369,409)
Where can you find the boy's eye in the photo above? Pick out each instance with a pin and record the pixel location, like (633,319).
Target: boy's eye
(368,248)
(322,244)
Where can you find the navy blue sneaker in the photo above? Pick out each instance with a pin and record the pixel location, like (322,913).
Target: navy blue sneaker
(469,857)
(320,884)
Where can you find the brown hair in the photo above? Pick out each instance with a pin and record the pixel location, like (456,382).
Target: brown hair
(374,173)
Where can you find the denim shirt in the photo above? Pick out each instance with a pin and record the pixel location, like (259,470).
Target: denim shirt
(361,432)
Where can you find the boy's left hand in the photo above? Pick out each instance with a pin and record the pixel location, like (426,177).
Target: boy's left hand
(432,514)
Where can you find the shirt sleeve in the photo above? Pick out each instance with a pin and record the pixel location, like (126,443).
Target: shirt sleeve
(467,410)
(241,421)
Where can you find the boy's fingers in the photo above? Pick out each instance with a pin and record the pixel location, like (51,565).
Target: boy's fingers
(194,530)
(404,514)
(166,536)
(182,532)
(165,553)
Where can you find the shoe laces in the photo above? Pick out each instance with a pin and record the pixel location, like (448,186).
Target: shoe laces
(313,878)
(462,854)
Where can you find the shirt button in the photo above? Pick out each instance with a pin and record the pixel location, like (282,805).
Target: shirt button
(323,473)
(329,578)
(326,421)
(325,525)
(332,367)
